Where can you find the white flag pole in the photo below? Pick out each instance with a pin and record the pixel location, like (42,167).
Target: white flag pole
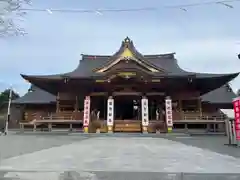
(8,111)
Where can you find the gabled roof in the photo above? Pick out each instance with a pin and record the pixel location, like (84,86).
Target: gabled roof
(90,65)
(36,96)
(95,67)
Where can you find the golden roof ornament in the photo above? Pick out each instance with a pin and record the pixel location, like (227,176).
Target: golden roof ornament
(126,52)
(127,41)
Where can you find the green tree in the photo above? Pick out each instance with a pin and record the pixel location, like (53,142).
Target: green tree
(4,96)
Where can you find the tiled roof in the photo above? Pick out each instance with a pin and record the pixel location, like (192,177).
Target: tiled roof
(222,95)
(36,96)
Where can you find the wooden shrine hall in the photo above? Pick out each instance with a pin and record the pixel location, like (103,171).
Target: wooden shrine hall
(126,92)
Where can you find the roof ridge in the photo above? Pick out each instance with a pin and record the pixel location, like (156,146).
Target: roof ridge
(167,55)
(94,55)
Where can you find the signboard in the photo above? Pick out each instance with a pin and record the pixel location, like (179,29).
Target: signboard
(236,107)
(168,106)
(110,112)
(86,115)
(145,119)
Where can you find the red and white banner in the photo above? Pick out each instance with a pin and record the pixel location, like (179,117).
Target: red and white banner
(110,112)
(145,117)
(168,105)
(236,107)
(86,115)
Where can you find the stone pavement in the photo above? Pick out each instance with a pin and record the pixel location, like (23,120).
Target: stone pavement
(15,145)
(115,158)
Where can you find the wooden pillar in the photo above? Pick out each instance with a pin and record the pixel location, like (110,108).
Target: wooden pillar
(104,108)
(58,103)
(200,106)
(76,107)
(180,108)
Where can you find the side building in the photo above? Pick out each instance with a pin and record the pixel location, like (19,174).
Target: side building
(134,83)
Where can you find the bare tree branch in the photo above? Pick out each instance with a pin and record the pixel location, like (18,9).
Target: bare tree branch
(10,15)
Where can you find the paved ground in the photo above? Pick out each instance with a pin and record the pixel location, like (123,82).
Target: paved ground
(15,145)
(122,157)
(212,143)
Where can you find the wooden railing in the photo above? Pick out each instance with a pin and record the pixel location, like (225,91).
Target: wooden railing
(204,116)
(51,119)
(65,115)
(33,115)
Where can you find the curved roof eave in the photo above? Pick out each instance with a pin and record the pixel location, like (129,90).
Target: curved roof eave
(213,81)
(209,75)
(53,77)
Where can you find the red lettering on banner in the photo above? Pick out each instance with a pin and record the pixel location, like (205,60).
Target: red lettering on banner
(236,103)
(237,115)
(237,126)
(237,120)
(238,134)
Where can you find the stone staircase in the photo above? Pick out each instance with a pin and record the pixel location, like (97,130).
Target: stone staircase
(127,126)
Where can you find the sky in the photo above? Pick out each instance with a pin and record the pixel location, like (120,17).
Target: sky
(204,38)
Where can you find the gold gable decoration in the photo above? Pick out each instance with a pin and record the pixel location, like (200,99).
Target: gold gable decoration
(127,53)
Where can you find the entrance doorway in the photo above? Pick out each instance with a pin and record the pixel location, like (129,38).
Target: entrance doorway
(126,108)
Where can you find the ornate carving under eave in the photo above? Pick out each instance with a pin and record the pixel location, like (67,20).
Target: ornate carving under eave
(129,58)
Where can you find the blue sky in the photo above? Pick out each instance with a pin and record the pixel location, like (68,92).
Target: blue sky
(205,38)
